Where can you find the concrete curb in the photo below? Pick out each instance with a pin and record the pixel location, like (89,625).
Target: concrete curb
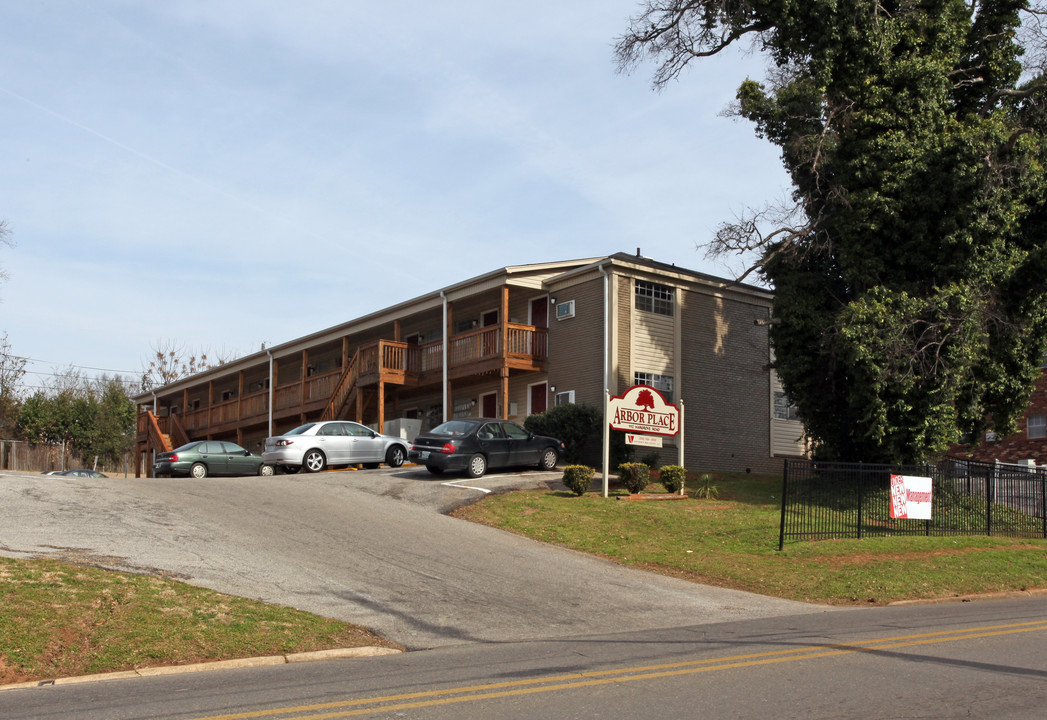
(1011,595)
(262,661)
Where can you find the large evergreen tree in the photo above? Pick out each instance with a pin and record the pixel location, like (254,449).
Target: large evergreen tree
(909,276)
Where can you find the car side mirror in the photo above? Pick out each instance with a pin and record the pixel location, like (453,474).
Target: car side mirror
(247,453)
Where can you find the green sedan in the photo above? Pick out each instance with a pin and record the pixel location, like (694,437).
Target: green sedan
(210,457)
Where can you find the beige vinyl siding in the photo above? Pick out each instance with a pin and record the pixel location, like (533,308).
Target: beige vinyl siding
(652,343)
(787,438)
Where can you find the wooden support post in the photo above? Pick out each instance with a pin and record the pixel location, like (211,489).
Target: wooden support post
(240,398)
(449,406)
(381,405)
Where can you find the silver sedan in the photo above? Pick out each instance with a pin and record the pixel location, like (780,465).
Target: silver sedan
(316,445)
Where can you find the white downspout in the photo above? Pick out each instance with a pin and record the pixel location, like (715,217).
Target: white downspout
(444,333)
(272,386)
(606,378)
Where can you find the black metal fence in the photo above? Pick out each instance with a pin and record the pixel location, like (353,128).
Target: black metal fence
(852,500)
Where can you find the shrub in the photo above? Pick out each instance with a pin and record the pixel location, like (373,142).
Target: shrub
(652,460)
(580,427)
(706,487)
(578,478)
(635,476)
(672,477)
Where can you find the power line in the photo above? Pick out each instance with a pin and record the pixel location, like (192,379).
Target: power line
(78,367)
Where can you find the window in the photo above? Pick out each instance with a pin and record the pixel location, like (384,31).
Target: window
(1037,426)
(563,398)
(784,409)
(565,310)
(661,383)
(654,298)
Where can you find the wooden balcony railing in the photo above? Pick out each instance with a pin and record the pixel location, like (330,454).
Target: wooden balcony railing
(385,359)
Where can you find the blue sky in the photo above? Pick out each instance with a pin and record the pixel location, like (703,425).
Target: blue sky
(221,173)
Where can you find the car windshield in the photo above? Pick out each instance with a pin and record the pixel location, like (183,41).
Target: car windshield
(453,428)
(186,448)
(300,429)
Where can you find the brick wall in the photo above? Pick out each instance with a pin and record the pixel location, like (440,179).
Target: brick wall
(1019,446)
(725,385)
(576,344)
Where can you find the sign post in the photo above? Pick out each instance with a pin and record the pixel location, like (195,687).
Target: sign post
(645,416)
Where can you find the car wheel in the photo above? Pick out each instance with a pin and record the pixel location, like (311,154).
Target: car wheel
(395,456)
(266,470)
(549,459)
(198,470)
(477,466)
(434,470)
(314,461)
(290,469)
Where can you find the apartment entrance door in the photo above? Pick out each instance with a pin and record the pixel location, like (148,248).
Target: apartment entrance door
(489,405)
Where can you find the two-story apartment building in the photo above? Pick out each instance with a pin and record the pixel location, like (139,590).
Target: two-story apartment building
(507,344)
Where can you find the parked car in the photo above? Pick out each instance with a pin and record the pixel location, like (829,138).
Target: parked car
(317,445)
(476,444)
(210,457)
(81,472)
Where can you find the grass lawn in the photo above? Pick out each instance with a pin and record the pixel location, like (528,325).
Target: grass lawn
(732,541)
(62,620)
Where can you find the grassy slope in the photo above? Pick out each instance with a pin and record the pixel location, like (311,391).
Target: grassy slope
(732,541)
(61,620)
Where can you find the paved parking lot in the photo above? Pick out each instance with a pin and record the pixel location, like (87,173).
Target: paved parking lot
(372,547)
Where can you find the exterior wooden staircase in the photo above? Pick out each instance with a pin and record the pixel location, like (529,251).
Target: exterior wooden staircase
(345,392)
(165,434)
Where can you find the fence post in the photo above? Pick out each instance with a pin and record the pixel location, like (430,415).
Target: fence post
(1043,500)
(785,489)
(990,495)
(931,475)
(861,496)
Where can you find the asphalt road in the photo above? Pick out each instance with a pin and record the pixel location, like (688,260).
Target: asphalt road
(370,547)
(958,660)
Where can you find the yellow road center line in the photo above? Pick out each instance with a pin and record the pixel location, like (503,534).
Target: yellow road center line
(572,681)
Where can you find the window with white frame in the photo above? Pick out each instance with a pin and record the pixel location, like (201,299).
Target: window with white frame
(654,298)
(1037,426)
(563,398)
(661,383)
(784,409)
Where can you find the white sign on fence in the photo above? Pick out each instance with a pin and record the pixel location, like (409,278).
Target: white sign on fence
(910,497)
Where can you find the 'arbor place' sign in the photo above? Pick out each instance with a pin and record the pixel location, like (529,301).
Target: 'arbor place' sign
(642,409)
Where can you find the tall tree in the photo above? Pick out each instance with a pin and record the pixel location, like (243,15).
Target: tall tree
(910,302)
(12,370)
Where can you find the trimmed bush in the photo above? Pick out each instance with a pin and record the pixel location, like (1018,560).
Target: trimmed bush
(578,478)
(672,477)
(635,476)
